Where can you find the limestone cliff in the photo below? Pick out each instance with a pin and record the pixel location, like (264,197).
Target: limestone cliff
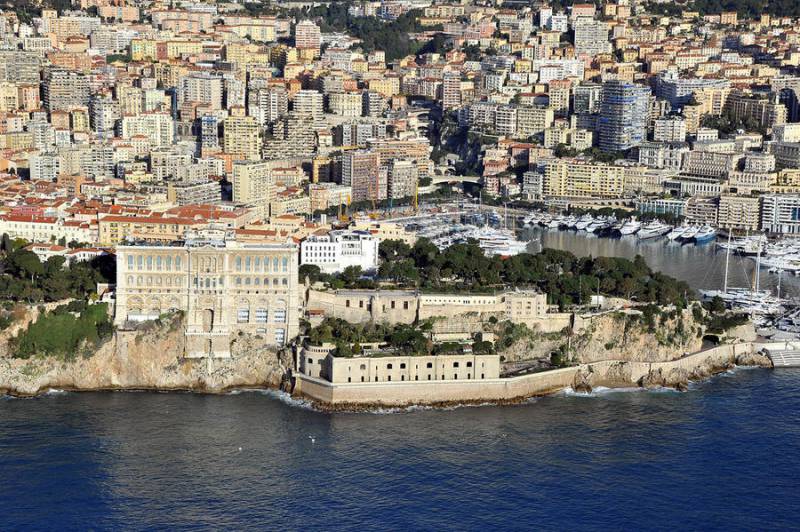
(150,358)
(618,336)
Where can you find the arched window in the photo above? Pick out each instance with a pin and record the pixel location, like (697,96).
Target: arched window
(130,279)
(388,366)
(257,281)
(275,264)
(285,281)
(285,264)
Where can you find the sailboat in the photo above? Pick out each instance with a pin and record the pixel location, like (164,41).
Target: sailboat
(754,301)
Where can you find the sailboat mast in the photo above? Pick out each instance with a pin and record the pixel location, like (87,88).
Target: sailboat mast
(727,263)
(758,266)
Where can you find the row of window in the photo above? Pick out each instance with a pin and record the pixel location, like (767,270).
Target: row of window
(151,263)
(256,281)
(255,264)
(416,377)
(261,315)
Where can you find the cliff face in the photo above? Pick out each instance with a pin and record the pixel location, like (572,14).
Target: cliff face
(619,336)
(150,358)
(615,336)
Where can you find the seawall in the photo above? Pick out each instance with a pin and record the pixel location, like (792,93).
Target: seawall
(607,373)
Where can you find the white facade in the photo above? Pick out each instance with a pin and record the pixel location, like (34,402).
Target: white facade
(337,250)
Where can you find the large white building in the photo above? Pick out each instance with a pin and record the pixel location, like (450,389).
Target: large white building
(780,214)
(336,250)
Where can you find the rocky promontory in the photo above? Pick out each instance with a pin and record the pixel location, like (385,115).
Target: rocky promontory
(151,357)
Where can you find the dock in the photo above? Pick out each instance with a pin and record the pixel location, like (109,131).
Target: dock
(784,354)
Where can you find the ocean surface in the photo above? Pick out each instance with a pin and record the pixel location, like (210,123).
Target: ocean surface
(722,456)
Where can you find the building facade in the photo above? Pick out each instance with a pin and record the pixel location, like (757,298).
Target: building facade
(221,285)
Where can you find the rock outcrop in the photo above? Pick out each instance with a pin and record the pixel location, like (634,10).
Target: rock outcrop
(758,359)
(151,358)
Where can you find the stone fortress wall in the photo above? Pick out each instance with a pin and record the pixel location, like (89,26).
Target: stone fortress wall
(610,372)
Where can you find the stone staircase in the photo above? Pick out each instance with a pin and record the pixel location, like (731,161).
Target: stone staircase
(789,358)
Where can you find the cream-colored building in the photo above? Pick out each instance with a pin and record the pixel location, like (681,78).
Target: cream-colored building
(577,178)
(223,287)
(253,182)
(384,366)
(403,306)
(739,212)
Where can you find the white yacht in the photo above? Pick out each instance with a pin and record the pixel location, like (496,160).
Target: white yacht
(653,229)
(630,227)
(676,233)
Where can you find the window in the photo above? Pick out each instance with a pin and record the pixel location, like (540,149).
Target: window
(481,375)
(402,366)
(363,367)
(310,360)
(257,264)
(280,316)
(429,365)
(455,364)
(389,378)
(285,264)
(149,263)
(139,260)
(469,364)
(238,281)
(275,264)
(177,263)
(405,305)
(169,263)
(361,304)
(158,263)
(243,316)
(238,264)
(130,262)
(280,336)
(261,315)
(392,304)
(247,264)
(388,366)
(347,303)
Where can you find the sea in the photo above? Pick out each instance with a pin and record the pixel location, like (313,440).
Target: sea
(724,455)
(721,456)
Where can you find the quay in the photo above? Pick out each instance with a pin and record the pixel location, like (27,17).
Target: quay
(783,354)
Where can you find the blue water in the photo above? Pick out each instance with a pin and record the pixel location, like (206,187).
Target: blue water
(723,455)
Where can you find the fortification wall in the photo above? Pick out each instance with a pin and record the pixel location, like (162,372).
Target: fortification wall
(613,372)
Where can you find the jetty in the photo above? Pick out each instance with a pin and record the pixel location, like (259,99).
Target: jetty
(783,354)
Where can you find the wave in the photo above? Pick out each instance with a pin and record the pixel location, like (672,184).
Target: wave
(283,397)
(601,391)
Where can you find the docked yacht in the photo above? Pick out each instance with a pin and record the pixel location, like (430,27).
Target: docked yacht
(676,233)
(653,229)
(630,227)
(583,222)
(705,234)
(689,234)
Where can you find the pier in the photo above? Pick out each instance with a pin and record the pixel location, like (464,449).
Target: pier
(784,354)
